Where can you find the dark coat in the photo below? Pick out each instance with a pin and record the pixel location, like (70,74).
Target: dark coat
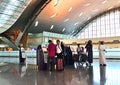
(89,49)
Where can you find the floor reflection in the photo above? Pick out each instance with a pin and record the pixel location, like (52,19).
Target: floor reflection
(102,75)
(71,76)
(12,74)
(22,69)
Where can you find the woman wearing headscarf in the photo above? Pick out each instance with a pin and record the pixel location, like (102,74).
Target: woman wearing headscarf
(40,58)
(89,50)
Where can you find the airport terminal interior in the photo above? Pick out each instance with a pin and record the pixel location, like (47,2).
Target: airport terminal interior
(26,26)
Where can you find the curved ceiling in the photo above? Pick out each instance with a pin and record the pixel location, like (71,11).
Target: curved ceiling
(67,16)
(10,11)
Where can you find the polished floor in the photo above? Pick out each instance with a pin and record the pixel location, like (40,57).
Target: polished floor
(13,74)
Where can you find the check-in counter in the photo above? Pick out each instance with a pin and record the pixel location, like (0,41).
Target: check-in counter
(13,56)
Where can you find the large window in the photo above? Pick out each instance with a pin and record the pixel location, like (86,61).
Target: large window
(107,25)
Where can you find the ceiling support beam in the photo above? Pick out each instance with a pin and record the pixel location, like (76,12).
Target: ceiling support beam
(36,12)
(14,44)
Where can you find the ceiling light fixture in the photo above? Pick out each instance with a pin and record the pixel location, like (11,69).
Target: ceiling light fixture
(110,7)
(36,23)
(54,15)
(73,31)
(88,18)
(56,3)
(70,9)
(63,30)
(88,4)
(80,14)
(104,1)
(66,20)
(51,26)
(76,23)
(94,10)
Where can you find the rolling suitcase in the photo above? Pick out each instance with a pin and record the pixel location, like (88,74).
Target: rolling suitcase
(59,64)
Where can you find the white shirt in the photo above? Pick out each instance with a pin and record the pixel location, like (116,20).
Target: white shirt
(23,52)
(101,48)
(79,49)
(59,49)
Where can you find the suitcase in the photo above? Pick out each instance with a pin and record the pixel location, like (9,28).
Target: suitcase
(59,64)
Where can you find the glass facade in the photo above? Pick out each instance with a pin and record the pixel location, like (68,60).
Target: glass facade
(107,25)
(10,11)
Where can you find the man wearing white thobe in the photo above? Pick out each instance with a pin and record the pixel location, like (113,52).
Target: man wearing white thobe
(102,51)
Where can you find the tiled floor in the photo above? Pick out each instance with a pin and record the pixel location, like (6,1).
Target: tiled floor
(12,74)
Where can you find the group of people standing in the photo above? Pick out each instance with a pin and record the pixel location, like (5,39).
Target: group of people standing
(89,52)
(55,55)
(59,55)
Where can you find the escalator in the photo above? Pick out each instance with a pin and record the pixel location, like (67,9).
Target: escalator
(10,11)
(17,15)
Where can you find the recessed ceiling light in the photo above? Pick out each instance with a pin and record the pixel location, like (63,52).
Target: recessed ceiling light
(95,10)
(110,7)
(70,9)
(88,18)
(88,4)
(73,31)
(56,2)
(54,15)
(80,14)
(36,23)
(76,23)
(51,26)
(63,30)
(104,1)
(66,20)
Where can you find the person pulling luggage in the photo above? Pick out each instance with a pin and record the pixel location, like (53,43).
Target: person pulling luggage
(59,53)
